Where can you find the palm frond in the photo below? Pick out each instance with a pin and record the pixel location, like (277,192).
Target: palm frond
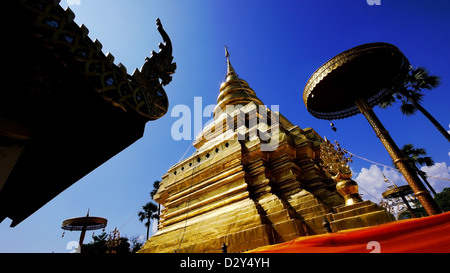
(142,216)
(408,109)
(149,209)
(416,155)
(415,97)
(388,101)
(425,161)
(155,188)
(431,82)
(420,78)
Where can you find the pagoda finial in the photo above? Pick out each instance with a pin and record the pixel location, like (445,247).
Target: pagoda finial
(234,91)
(230,69)
(227,54)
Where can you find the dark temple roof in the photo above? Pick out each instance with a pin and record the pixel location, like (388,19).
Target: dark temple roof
(65,107)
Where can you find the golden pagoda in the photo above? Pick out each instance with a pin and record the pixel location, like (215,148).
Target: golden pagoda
(255,179)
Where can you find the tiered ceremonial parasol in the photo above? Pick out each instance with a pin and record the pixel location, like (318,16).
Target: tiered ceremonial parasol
(83,224)
(355,81)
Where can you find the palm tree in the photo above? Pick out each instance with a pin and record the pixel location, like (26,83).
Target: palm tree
(416,158)
(411,95)
(149,211)
(153,192)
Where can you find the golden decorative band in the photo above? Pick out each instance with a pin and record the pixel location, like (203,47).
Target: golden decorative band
(424,192)
(402,159)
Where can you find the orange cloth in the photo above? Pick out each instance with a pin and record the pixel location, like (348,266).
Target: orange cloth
(423,235)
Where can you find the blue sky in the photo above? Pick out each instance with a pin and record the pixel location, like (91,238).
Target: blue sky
(275,46)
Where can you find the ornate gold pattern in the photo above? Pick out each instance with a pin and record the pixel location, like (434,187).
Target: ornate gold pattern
(336,63)
(335,162)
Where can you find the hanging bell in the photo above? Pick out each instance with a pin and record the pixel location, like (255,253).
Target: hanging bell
(332,127)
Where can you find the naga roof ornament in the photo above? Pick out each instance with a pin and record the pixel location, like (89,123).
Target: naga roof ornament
(141,92)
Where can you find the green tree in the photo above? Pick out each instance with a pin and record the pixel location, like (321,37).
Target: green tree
(416,158)
(411,95)
(103,244)
(443,199)
(123,246)
(98,245)
(136,244)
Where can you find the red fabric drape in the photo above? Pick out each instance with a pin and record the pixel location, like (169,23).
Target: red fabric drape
(423,235)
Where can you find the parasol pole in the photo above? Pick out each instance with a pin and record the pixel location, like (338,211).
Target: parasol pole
(80,243)
(410,175)
(83,233)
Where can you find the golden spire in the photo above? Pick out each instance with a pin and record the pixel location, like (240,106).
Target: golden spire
(234,91)
(230,69)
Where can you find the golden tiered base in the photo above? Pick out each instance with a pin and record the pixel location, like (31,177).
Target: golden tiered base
(358,215)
